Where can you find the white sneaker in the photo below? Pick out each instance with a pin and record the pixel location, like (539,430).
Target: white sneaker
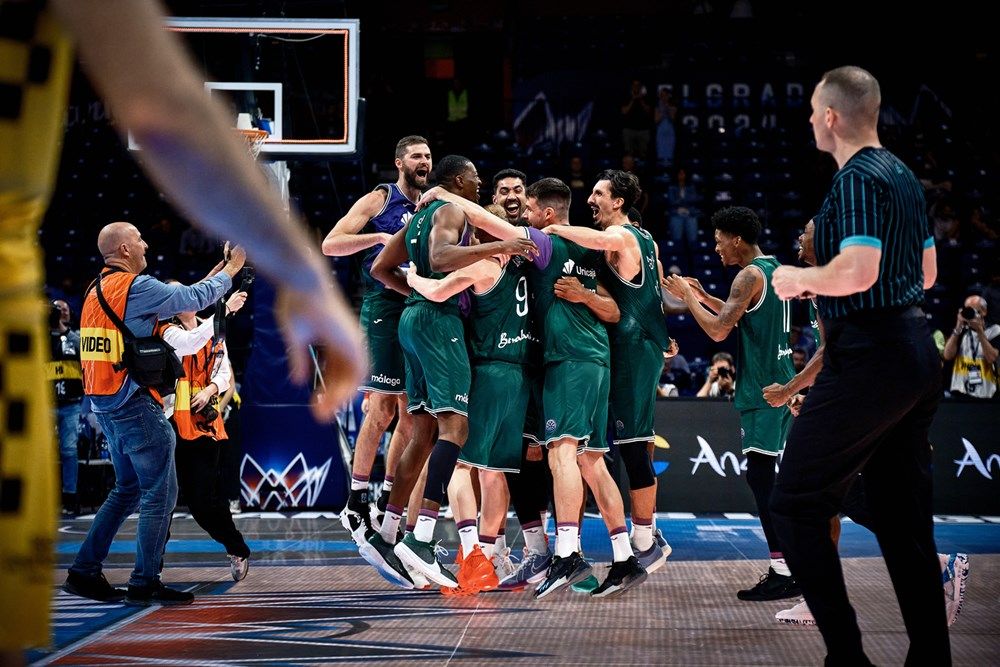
(954,576)
(238,567)
(234,507)
(797,615)
(503,564)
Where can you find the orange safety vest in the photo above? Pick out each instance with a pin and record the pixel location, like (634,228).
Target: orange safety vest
(101,342)
(197,376)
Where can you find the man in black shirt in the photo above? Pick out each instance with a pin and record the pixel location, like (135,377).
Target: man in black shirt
(67,380)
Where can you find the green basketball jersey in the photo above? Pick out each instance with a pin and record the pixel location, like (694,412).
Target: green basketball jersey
(570,332)
(499,324)
(814,323)
(418,235)
(640,303)
(765,356)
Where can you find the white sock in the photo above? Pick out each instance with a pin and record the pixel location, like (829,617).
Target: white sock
(358,484)
(387,485)
(534,539)
(501,544)
(642,535)
(781,567)
(390,524)
(620,546)
(489,548)
(653,524)
(469,536)
(424,530)
(567,539)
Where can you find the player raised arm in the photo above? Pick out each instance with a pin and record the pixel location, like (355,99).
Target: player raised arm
(446,252)
(477,215)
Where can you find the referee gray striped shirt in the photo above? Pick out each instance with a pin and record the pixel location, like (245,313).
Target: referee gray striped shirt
(876,201)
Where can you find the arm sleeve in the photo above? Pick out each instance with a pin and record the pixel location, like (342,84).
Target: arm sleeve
(223,375)
(186,342)
(860,221)
(149,296)
(544,243)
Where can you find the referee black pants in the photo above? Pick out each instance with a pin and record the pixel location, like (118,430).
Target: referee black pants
(870,411)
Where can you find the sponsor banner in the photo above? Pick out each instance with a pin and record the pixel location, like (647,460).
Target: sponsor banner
(705,471)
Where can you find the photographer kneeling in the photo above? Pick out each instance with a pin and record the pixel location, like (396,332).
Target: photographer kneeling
(973,347)
(193,411)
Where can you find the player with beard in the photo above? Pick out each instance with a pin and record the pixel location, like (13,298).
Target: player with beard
(508,193)
(638,342)
(366,228)
(438,375)
(570,306)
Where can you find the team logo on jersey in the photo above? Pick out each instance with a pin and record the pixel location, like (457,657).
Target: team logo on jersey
(568,266)
(651,262)
(377,321)
(406,218)
(550,426)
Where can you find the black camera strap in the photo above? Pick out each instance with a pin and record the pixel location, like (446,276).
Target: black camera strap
(127,334)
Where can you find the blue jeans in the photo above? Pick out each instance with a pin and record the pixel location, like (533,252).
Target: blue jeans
(141,444)
(68,422)
(684,227)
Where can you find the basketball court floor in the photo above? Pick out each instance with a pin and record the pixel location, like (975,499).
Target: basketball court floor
(310,600)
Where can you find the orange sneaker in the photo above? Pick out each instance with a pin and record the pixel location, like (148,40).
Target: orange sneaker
(477,573)
(459,557)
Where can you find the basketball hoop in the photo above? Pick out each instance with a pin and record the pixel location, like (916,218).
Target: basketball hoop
(254,139)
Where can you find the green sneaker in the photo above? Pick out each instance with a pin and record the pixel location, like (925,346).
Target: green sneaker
(585,586)
(422,557)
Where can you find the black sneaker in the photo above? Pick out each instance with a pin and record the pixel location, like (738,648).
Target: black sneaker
(356,517)
(623,575)
(93,588)
(563,572)
(772,586)
(143,596)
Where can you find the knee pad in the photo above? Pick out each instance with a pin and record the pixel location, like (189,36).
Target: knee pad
(638,465)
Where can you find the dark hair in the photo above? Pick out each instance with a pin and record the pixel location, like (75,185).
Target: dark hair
(406,142)
(723,356)
(508,173)
(624,185)
(550,192)
(449,167)
(738,221)
(635,217)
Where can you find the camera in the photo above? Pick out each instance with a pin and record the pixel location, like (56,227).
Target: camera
(55,316)
(969,313)
(724,372)
(211,409)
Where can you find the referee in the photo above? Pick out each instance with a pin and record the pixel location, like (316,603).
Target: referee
(872,405)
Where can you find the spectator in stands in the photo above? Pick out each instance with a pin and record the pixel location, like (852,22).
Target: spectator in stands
(721,379)
(630,165)
(799,359)
(637,117)
(675,378)
(67,380)
(576,179)
(973,346)
(666,135)
(991,293)
(945,223)
(982,225)
(683,201)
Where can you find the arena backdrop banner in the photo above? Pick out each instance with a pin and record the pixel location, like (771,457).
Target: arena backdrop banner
(705,469)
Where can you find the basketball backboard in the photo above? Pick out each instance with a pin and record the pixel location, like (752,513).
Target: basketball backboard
(297,78)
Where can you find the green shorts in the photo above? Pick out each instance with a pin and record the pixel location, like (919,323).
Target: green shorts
(575,403)
(437,362)
(635,371)
(380,315)
(764,430)
(497,402)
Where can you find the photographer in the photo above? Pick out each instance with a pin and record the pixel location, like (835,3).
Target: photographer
(67,380)
(195,412)
(720,381)
(973,347)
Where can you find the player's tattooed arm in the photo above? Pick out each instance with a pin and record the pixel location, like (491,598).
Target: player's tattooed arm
(747,285)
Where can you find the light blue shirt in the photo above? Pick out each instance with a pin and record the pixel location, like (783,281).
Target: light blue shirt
(150,300)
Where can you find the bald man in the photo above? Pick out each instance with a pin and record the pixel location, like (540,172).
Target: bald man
(140,441)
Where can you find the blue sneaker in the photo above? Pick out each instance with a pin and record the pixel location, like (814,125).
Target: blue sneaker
(530,570)
(652,559)
(381,556)
(563,572)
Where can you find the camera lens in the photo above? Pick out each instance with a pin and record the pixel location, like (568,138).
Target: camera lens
(969,313)
(723,372)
